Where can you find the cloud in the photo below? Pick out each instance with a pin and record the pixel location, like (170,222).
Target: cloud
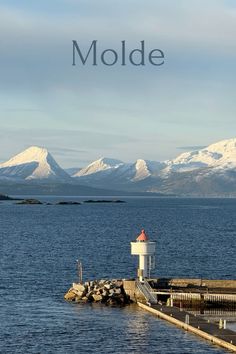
(36,53)
(66,151)
(191,148)
(108,111)
(70,147)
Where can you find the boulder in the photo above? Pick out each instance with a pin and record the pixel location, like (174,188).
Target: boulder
(119,283)
(90,293)
(97,297)
(80,293)
(70,296)
(78,287)
(78,298)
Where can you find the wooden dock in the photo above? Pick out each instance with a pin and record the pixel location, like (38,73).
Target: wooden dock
(192,323)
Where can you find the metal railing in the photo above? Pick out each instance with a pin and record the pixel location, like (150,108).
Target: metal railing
(147,291)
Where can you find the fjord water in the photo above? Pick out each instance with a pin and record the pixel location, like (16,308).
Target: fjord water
(41,243)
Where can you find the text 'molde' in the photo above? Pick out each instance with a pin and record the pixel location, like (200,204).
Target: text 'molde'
(93,55)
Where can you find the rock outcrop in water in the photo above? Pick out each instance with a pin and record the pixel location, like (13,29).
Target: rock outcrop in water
(108,292)
(6,197)
(30,201)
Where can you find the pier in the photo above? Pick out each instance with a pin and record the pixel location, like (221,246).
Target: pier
(169,299)
(181,302)
(164,303)
(198,326)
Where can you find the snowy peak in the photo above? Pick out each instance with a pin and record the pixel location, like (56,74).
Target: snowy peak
(207,171)
(32,154)
(102,164)
(141,170)
(33,163)
(146,168)
(218,155)
(227,145)
(224,151)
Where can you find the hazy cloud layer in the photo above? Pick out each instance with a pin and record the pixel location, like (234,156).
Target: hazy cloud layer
(125,112)
(191,148)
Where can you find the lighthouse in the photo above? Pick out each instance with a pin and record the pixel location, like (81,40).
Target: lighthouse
(145,249)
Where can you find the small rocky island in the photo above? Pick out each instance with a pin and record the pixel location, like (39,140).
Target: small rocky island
(30,201)
(6,197)
(33,201)
(108,292)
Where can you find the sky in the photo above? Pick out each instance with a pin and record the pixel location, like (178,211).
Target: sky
(80,113)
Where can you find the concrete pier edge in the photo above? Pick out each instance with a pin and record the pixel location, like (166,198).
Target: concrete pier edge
(188,327)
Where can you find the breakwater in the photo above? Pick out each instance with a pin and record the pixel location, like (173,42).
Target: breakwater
(170,292)
(170,300)
(108,292)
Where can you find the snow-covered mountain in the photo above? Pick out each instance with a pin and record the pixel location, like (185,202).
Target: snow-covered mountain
(145,168)
(221,155)
(107,172)
(208,171)
(103,164)
(34,163)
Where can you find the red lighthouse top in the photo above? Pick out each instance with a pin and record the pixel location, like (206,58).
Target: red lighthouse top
(142,237)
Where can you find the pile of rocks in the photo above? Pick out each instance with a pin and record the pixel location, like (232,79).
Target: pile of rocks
(108,292)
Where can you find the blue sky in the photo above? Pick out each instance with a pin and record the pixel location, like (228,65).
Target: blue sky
(82,113)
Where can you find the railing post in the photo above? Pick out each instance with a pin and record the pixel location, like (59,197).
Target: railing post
(220,323)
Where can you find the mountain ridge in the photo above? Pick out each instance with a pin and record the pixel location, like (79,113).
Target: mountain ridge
(207,171)
(33,163)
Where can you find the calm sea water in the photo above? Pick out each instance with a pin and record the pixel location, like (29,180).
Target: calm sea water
(41,243)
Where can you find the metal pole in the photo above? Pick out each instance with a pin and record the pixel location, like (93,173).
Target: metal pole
(79,271)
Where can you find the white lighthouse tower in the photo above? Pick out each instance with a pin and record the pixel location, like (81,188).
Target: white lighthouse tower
(145,249)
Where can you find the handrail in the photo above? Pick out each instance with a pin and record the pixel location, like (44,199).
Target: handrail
(146,290)
(148,286)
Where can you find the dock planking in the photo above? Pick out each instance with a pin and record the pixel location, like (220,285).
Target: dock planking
(225,338)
